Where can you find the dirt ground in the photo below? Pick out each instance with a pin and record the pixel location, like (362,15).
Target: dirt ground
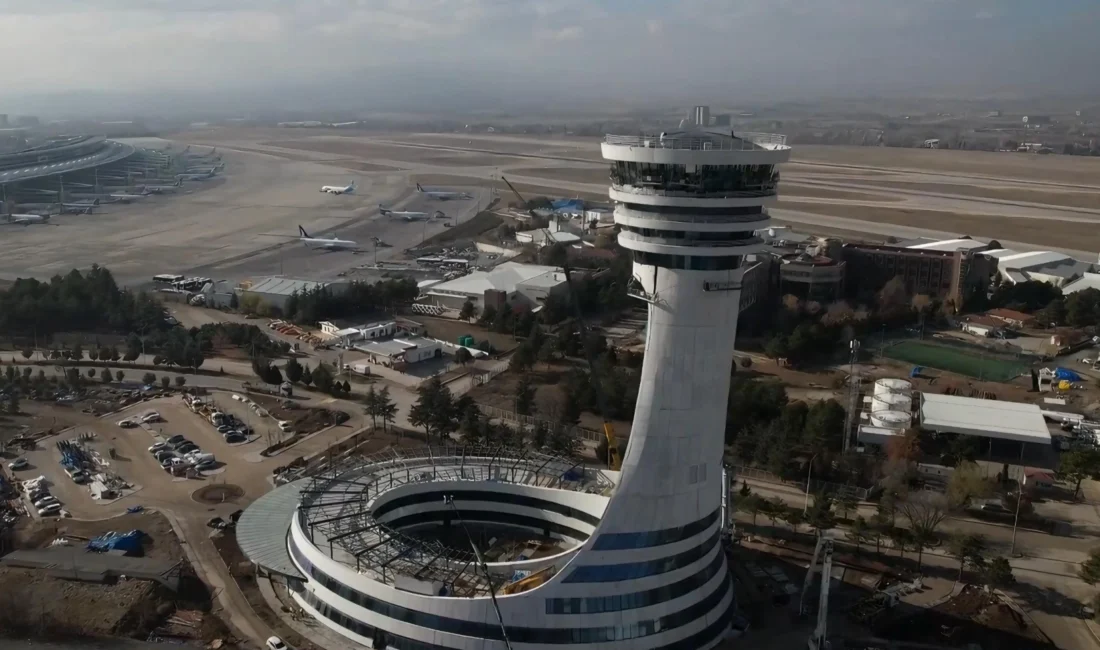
(971,617)
(447,329)
(93,608)
(795,191)
(528,191)
(370,151)
(481,223)
(1062,234)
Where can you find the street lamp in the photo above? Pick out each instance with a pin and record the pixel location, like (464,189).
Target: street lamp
(809,473)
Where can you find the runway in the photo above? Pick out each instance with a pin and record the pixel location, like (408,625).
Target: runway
(241,225)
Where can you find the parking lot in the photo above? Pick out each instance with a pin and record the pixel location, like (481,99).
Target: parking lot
(125,452)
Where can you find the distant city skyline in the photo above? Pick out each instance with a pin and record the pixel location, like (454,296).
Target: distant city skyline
(401,54)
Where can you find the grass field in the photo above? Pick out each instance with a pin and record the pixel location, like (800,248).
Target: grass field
(964,362)
(1069,199)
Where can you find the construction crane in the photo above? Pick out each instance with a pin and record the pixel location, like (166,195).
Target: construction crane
(522,201)
(824,549)
(614,461)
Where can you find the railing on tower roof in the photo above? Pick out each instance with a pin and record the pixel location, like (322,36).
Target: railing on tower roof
(738,142)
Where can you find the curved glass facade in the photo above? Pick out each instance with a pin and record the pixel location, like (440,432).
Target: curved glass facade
(703,180)
(623,541)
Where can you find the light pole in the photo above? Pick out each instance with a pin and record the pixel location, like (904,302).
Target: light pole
(809,473)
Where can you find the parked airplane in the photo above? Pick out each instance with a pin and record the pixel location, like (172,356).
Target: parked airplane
(331,243)
(195,177)
(442,196)
(334,189)
(408,216)
(130,197)
(161,189)
(25,219)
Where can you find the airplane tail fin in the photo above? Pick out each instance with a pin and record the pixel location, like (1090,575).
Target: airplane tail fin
(303,233)
(179,181)
(383,211)
(419,189)
(95,202)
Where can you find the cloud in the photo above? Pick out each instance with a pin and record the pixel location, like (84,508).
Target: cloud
(370,48)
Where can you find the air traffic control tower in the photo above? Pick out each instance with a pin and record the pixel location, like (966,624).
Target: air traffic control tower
(688,203)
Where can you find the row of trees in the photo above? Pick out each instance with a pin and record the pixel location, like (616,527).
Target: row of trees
(16,382)
(923,512)
(440,414)
(295,372)
(359,298)
(85,302)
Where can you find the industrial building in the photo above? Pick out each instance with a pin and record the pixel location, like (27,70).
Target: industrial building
(552,234)
(345,335)
(625,559)
(951,275)
(400,352)
(1055,268)
(811,277)
(510,282)
(893,407)
(275,291)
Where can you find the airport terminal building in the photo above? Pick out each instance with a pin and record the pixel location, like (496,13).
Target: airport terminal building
(390,551)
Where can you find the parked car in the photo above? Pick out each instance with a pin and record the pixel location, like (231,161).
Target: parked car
(234,438)
(225,428)
(158,446)
(164,455)
(175,440)
(45,501)
(179,443)
(152,417)
(127,424)
(207,464)
(18,464)
(51,509)
(275,643)
(186,448)
(38,495)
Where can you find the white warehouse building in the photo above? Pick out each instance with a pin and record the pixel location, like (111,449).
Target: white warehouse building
(513,282)
(625,560)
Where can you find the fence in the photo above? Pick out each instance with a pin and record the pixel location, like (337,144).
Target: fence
(816,485)
(587,436)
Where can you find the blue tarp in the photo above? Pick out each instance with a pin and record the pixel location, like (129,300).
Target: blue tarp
(1067,374)
(567,205)
(129,542)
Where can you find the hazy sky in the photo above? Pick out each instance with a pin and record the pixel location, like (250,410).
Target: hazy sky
(705,49)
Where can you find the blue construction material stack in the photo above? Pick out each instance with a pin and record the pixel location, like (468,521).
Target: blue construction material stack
(129,542)
(73,456)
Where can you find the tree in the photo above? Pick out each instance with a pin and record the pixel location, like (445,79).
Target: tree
(846,502)
(148,379)
(752,504)
(1078,465)
(76,352)
(387,409)
(234,301)
(371,405)
(346,387)
(967,483)
(119,375)
(180,381)
(307,376)
(794,518)
(860,532)
(523,358)
(745,490)
(106,376)
(91,373)
(13,403)
(820,515)
(540,437)
(27,353)
(525,396)
(773,509)
(293,370)
(321,377)
(434,409)
(967,549)
(1089,571)
(776,347)
(463,356)
(893,298)
(468,312)
(824,427)
(924,511)
(93,354)
(998,573)
(165,382)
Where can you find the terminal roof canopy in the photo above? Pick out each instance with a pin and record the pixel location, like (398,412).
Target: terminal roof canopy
(985,418)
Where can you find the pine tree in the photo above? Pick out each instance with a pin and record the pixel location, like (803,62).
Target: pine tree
(525,396)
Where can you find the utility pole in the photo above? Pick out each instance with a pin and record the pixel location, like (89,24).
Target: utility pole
(853,392)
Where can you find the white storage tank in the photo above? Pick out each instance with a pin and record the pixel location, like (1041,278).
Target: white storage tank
(892,402)
(891,385)
(891,420)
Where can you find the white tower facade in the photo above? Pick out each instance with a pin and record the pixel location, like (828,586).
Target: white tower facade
(640,565)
